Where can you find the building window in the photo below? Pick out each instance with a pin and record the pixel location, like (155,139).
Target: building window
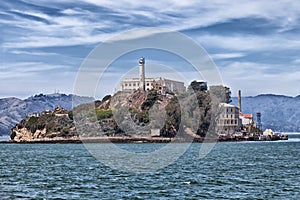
(125,84)
(129,84)
(134,84)
(147,84)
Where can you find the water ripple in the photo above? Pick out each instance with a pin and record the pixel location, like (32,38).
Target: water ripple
(231,171)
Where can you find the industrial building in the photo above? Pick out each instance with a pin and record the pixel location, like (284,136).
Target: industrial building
(232,119)
(229,120)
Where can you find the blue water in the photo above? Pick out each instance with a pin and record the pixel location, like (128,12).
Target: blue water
(247,170)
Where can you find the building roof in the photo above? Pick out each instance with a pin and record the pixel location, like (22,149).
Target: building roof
(227,105)
(150,79)
(249,116)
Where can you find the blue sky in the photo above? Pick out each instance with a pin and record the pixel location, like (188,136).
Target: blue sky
(255,44)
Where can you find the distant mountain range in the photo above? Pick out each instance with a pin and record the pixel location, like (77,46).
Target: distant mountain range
(280,113)
(13,110)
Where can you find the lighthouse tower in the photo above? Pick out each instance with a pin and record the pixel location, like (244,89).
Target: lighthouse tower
(142,74)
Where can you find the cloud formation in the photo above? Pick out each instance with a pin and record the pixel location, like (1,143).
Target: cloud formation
(261,37)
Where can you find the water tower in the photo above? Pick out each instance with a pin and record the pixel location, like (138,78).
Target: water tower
(258,121)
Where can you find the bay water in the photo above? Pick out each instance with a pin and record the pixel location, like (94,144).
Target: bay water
(241,170)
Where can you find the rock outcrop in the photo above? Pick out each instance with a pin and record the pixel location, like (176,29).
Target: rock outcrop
(50,124)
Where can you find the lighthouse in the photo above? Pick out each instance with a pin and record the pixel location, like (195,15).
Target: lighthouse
(142,74)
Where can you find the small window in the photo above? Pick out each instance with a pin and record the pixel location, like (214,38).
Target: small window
(125,84)
(129,84)
(134,84)
(147,84)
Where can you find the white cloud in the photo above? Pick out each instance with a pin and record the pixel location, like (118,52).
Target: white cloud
(254,78)
(296,61)
(249,43)
(33,53)
(16,69)
(82,26)
(34,14)
(202,13)
(78,11)
(175,15)
(221,56)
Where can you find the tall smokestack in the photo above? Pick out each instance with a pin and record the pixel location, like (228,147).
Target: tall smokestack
(240,101)
(142,74)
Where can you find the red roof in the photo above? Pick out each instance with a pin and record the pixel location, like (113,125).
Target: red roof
(249,116)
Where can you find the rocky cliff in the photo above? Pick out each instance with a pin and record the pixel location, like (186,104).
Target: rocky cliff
(124,114)
(138,114)
(49,124)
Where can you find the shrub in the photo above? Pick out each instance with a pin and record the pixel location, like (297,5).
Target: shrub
(103,114)
(31,124)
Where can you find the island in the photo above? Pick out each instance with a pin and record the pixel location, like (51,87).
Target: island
(135,124)
(147,110)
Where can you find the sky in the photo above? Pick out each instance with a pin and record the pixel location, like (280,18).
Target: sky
(255,44)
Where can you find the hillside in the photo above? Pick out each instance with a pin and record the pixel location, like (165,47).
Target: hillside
(137,114)
(49,124)
(13,110)
(280,113)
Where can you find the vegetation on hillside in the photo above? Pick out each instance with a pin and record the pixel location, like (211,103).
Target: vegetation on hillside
(143,112)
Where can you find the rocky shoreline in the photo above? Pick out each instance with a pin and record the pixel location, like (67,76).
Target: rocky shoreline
(138,140)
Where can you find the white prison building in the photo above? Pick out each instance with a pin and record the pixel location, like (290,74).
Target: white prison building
(163,85)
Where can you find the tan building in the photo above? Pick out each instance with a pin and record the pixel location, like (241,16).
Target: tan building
(163,85)
(229,120)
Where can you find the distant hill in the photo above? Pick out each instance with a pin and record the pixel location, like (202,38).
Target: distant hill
(12,110)
(280,113)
